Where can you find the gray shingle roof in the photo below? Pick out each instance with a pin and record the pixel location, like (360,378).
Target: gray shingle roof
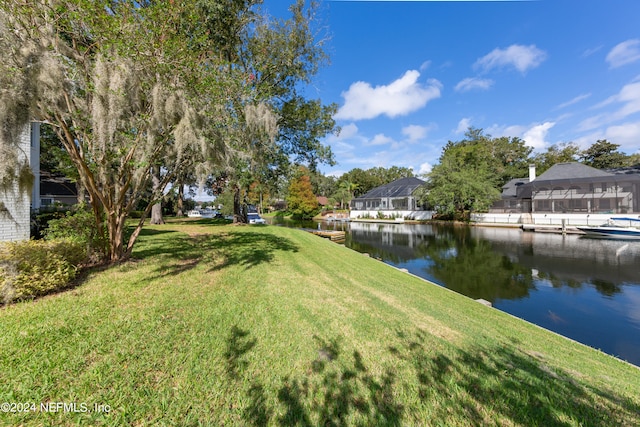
(571,171)
(402,187)
(510,189)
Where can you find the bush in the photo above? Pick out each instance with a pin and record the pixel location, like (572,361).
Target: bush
(136,214)
(79,226)
(35,267)
(40,219)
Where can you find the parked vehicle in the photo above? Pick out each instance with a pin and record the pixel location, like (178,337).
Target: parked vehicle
(201,213)
(254,218)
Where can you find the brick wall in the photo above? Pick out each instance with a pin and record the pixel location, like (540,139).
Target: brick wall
(15,217)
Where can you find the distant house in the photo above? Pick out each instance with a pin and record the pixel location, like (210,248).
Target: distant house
(57,190)
(322,201)
(397,195)
(572,188)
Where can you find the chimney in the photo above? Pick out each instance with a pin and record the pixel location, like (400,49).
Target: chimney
(532,172)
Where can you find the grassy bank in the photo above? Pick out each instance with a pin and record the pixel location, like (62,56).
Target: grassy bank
(216,324)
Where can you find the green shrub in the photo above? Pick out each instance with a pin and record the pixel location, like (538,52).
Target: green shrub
(40,219)
(35,267)
(79,225)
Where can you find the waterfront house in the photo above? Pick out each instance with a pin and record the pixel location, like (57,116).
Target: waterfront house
(395,199)
(573,188)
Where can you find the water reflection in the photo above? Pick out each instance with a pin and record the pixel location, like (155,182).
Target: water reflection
(571,260)
(500,263)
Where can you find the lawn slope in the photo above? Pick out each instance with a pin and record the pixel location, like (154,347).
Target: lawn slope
(213,324)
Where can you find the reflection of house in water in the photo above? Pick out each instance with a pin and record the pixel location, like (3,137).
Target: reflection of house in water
(573,188)
(570,258)
(397,239)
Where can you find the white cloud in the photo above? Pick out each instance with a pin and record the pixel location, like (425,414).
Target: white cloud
(627,135)
(380,139)
(416,133)
(628,97)
(463,125)
(471,83)
(573,101)
(591,51)
(535,136)
(425,168)
(624,53)
(400,97)
(348,131)
(522,58)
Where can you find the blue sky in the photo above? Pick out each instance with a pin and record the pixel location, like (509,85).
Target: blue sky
(409,76)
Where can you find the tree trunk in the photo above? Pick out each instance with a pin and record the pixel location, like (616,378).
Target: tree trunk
(239,209)
(156,214)
(180,201)
(156,210)
(82,194)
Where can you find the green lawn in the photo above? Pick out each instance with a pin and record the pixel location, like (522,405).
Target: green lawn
(224,325)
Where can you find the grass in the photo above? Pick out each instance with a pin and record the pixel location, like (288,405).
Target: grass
(215,324)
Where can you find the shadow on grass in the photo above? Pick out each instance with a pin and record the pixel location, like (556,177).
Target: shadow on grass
(238,345)
(517,388)
(248,249)
(492,385)
(178,253)
(335,390)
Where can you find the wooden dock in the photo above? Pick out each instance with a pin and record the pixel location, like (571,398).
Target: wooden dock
(334,236)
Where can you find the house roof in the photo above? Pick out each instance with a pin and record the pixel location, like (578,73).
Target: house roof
(51,185)
(572,173)
(510,189)
(571,170)
(402,187)
(630,170)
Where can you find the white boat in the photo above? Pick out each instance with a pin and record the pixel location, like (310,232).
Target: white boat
(615,228)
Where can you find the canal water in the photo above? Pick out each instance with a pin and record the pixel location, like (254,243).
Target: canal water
(585,289)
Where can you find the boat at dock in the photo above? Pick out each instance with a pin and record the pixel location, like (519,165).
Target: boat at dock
(615,228)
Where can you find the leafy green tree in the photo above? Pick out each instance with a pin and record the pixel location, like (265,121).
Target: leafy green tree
(471,172)
(125,86)
(505,157)
(557,153)
(301,201)
(455,188)
(138,92)
(634,160)
(278,56)
(604,155)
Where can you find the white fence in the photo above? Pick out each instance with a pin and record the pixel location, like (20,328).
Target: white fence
(546,218)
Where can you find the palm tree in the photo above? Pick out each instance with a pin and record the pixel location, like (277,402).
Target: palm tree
(347,188)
